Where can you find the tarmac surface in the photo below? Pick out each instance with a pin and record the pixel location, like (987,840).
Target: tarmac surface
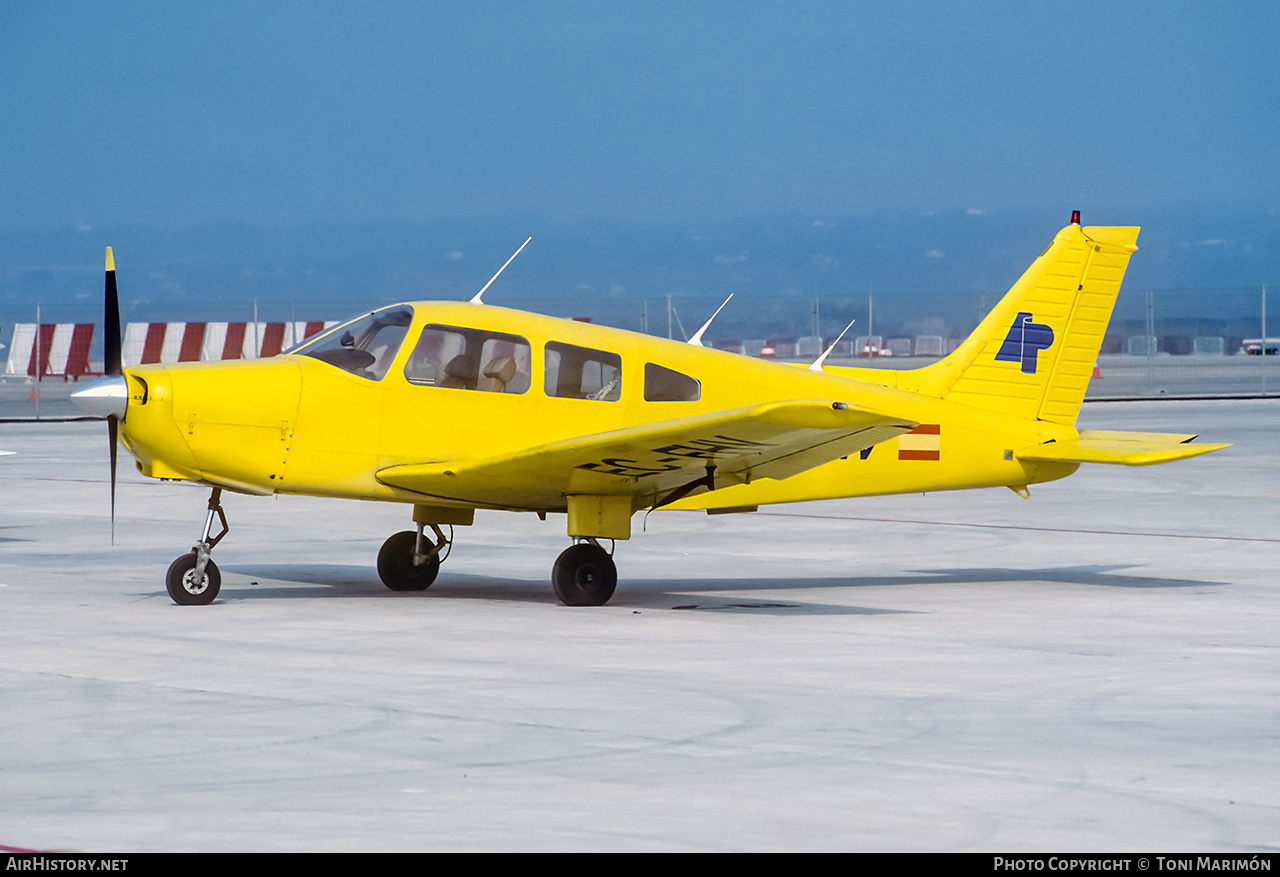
(1094,669)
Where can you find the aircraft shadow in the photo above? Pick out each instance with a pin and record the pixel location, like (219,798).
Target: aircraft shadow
(13,538)
(311,581)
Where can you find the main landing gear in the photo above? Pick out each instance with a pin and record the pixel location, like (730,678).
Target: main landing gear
(584,574)
(193,579)
(410,561)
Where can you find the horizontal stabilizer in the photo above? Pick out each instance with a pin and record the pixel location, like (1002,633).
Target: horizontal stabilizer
(1121,448)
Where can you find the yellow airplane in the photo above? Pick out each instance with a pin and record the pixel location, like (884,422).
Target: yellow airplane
(449,407)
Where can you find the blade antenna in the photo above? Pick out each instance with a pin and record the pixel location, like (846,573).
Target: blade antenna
(475,300)
(112,365)
(817,363)
(696,340)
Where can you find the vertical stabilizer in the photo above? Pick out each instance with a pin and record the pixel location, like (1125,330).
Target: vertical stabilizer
(1034,354)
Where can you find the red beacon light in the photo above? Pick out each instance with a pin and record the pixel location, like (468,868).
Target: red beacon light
(1075,217)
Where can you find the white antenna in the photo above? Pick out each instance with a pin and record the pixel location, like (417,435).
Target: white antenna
(696,340)
(475,300)
(817,363)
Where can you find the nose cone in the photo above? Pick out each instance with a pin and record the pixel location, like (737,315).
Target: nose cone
(105,397)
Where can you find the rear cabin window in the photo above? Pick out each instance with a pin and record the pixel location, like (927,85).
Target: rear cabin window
(662,384)
(363,347)
(459,358)
(582,373)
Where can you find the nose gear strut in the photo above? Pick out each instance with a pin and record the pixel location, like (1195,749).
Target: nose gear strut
(193,579)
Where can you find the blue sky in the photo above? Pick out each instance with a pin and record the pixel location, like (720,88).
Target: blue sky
(282,113)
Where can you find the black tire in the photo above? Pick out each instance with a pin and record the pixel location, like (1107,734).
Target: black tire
(180,582)
(395,564)
(584,575)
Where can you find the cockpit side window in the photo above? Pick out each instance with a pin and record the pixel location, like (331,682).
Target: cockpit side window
(458,358)
(662,384)
(363,347)
(582,373)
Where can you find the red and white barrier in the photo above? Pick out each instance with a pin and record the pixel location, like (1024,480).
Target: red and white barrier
(55,350)
(146,343)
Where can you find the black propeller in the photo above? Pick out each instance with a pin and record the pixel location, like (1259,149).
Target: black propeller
(111,321)
(108,396)
(112,366)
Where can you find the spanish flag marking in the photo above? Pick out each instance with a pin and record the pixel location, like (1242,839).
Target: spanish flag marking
(922,443)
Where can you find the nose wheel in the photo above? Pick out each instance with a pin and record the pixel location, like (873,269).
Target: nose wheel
(187,587)
(584,575)
(193,579)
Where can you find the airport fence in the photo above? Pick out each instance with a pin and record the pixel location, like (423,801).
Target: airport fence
(1160,343)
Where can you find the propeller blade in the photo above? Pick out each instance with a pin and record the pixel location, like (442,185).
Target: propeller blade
(113,426)
(112,365)
(111,323)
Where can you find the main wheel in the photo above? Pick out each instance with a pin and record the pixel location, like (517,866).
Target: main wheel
(395,564)
(584,575)
(187,590)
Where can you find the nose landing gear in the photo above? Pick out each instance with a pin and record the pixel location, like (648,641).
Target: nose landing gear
(193,579)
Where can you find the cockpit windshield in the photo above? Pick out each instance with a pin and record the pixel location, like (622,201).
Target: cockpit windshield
(364,347)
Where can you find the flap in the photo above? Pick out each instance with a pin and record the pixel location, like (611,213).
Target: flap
(1123,448)
(776,440)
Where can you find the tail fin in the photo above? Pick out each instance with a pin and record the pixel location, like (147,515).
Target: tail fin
(1034,354)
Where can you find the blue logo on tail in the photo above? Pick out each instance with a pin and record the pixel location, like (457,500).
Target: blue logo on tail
(1024,341)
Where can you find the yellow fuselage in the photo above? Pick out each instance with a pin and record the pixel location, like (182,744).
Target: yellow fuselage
(296,424)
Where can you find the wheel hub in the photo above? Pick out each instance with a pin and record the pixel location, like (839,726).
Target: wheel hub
(193,585)
(587,578)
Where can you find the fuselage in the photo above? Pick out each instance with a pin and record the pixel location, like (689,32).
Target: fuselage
(453,381)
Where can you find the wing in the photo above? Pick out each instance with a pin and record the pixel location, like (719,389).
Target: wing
(1124,448)
(648,462)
